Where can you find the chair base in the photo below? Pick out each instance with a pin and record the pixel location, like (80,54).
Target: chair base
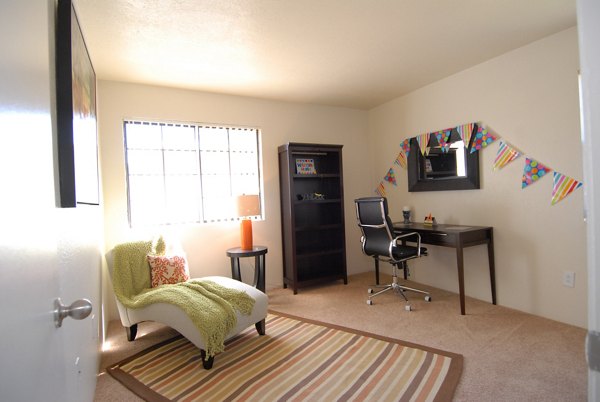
(398,289)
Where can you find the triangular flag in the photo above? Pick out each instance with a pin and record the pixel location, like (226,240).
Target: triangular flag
(442,137)
(465,131)
(380,189)
(390,177)
(423,140)
(563,186)
(532,172)
(505,155)
(406,146)
(401,159)
(483,138)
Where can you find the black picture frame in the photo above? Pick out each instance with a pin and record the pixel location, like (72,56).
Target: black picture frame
(419,180)
(77,138)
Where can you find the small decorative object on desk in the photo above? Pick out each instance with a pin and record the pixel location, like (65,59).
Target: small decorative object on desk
(406,215)
(429,220)
(305,166)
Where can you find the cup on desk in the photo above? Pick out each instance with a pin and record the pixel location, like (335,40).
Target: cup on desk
(406,214)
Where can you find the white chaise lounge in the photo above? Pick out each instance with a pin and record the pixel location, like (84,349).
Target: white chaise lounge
(177,319)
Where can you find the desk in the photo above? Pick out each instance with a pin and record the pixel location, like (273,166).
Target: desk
(458,237)
(258,252)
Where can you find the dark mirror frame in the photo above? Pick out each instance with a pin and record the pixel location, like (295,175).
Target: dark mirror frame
(417,180)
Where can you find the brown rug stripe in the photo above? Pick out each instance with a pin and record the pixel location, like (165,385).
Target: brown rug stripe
(297,360)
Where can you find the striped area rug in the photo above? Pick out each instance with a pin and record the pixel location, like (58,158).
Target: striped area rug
(297,360)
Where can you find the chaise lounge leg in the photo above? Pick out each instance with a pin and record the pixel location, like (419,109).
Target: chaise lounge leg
(131,332)
(206,363)
(260,327)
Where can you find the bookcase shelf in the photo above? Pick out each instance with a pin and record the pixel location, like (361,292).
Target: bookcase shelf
(312,214)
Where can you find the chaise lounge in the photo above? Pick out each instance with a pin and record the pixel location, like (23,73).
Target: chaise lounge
(183,318)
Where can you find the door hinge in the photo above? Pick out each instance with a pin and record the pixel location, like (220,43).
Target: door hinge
(592,350)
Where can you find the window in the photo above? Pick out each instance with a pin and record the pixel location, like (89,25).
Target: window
(183,173)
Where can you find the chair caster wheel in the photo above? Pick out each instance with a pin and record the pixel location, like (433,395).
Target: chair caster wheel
(408,307)
(427,298)
(370,302)
(369,291)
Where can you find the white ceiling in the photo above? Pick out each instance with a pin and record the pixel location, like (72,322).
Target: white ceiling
(350,53)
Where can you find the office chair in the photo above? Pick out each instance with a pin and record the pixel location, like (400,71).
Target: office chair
(378,241)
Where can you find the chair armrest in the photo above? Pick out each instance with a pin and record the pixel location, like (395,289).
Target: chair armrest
(404,236)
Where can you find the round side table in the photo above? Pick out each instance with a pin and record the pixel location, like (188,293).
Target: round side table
(258,252)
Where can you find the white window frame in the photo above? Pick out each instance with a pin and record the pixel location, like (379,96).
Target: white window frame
(182,173)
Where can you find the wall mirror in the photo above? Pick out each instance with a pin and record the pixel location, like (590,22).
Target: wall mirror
(453,168)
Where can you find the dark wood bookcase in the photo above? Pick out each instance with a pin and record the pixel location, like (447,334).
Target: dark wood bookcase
(312,214)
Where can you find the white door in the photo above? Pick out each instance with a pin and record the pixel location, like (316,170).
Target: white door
(45,252)
(79,267)
(588,15)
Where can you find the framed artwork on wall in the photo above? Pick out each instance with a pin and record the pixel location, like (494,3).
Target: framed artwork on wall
(305,166)
(77,140)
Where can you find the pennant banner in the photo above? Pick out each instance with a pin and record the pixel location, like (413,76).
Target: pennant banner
(505,155)
(563,186)
(465,131)
(442,137)
(532,172)
(423,140)
(406,146)
(483,138)
(390,177)
(380,190)
(401,159)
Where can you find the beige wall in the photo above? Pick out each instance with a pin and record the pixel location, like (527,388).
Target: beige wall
(530,98)
(280,122)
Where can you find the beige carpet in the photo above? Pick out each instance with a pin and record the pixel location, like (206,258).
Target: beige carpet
(508,356)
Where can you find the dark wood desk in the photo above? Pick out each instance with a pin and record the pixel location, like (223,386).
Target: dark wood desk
(458,237)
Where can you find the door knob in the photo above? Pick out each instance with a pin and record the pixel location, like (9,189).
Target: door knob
(78,310)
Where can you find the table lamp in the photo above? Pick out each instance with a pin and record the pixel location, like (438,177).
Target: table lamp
(248,205)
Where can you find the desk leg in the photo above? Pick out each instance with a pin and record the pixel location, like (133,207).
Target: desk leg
(259,272)
(235,268)
(491,263)
(461,277)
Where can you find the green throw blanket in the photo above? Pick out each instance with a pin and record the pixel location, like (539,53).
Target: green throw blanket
(209,305)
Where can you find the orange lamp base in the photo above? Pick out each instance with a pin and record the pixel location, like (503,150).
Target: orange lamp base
(246,234)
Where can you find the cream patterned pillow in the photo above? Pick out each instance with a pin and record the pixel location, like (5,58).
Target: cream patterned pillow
(168,269)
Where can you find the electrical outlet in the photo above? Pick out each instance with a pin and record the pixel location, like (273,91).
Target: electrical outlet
(569,279)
